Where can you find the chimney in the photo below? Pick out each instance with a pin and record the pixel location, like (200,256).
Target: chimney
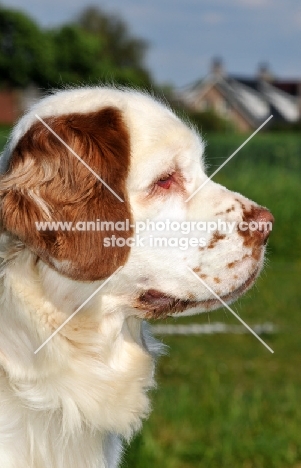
(217,67)
(264,73)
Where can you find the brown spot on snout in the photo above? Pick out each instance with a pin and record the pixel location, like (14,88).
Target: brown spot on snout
(217,236)
(258,225)
(228,210)
(243,206)
(256,229)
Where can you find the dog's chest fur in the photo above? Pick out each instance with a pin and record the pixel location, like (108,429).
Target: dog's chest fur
(70,404)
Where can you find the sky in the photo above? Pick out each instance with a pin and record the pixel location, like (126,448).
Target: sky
(185,35)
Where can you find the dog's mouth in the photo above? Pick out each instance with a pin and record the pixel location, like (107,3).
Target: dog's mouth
(159,305)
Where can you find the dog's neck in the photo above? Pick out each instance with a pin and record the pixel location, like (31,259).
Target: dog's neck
(92,376)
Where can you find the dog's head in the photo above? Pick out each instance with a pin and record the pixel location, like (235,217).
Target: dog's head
(125,162)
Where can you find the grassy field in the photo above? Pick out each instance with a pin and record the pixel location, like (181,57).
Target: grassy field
(223,401)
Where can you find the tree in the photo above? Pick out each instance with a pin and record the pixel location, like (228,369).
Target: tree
(76,57)
(26,55)
(122,53)
(125,50)
(96,48)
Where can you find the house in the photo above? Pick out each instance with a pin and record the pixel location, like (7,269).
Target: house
(14,102)
(8,107)
(245,101)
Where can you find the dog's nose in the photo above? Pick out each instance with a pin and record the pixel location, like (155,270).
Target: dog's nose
(262,222)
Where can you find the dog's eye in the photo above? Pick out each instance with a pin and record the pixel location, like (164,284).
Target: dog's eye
(165,182)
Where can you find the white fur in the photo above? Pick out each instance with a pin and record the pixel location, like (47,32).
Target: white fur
(70,405)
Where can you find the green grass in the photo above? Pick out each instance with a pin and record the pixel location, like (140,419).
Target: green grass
(275,149)
(4,132)
(223,401)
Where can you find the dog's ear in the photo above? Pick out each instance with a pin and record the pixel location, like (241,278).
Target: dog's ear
(47,182)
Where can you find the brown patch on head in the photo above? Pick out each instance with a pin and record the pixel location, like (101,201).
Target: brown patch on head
(45,182)
(217,280)
(196,269)
(217,236)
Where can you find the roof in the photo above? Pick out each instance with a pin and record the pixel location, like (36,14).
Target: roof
(254,99)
